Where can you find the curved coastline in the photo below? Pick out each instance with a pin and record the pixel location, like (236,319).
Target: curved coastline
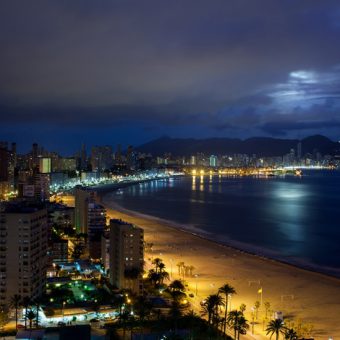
(236,246)
(301,293)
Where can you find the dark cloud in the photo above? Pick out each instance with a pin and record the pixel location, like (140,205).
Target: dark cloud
(222,67)
(283,128)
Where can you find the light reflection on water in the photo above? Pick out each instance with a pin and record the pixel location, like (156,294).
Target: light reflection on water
(295,217)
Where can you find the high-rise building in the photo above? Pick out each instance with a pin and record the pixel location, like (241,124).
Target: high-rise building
(105,250)
(23,249)
(12,163)
(96,223)
(213,161)
(42,187)
(3,162)
(34,162)
(45,165)
(101,158)
(118,155)
(126,255)
(83,197)
(299,150)
(67,164)
(83,161)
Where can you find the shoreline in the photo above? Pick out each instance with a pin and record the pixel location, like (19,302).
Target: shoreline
(312,297)
(332,273)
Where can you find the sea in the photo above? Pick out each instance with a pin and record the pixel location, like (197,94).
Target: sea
(293,219)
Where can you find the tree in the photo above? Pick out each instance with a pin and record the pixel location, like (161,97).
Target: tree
(37,304)
(233,320)
(3,317)
(180,266)
(227,290)
(30,315)
(290,334)
(177,285)
(267,306)
(211,306)
(161,267)
(26,302)
(275,327)
(242,326)
(153,276)
(191,269)
(15,303)
(243,307)
(163,276)
(157,262)
(257,306)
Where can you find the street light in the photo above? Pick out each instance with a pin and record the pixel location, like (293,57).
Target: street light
(170,268)
(196,276)
(62,311)
(229,299)
(252,319)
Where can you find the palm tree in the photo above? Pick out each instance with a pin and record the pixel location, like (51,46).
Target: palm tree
(153,276)
(275,326)
(30,315)
(26,302)
(3,317)
(180,266)
(37,304)
(243,307)
(163,276)
(16,303)
(191,269)
(177,285)
(161,267)
(210,307)
(227,290)
(157,262)
(242,326)
(257,305)
(234,319)
(267,306)
(290,334)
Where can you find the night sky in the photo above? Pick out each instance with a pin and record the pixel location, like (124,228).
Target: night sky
(108,72)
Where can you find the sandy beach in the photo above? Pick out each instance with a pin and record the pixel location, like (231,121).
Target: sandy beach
(304,297)
(307,298)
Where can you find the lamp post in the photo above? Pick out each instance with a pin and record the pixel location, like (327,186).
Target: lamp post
(229,299)
(170,268)
(62,311)
(196,276)
(252,319)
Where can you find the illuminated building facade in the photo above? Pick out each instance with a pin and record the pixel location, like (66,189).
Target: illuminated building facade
(126,255)
(23,250)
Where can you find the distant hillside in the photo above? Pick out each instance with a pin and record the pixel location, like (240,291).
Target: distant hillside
(261,146)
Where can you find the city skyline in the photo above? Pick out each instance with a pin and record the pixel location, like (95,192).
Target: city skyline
(108,73)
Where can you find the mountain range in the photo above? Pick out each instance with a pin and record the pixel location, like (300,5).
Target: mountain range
(261,146)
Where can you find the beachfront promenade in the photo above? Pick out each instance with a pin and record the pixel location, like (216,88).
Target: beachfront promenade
(304,297)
